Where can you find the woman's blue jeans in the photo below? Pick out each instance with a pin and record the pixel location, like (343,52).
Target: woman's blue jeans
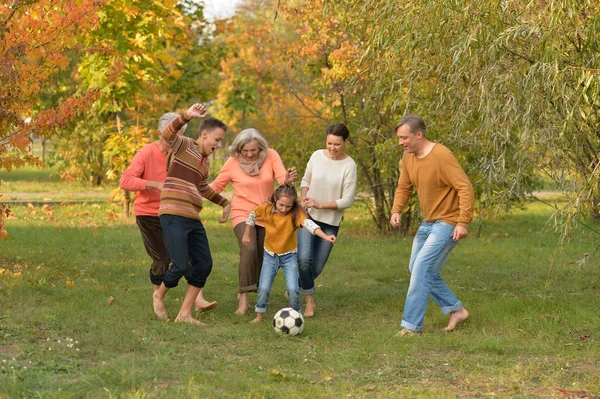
(272,263)
(431,247)
(313,252)
(189,251)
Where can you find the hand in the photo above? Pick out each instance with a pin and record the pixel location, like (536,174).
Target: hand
(332,239)
(291,175)
(246,240)
(303,205)
(311,203)
(197,111)
(395,220)
(154,185)
(226,210)
(459,233)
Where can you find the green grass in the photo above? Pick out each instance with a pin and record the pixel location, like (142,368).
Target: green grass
(32,183)
(76,318)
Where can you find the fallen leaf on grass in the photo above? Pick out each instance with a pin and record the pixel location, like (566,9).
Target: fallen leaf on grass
(276,374)
(111,299)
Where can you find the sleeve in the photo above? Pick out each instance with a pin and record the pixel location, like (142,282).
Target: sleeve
(131,179)
(223,178)
(454,175)
(279,171)
(348,188)
(403,191)
(308,173)
(309,225)
(170,132)
(207,192)
(251,219)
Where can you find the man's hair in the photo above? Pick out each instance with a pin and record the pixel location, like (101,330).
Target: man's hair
(338,129)
(246,136)
(415,124)
(166,119)
(211,124)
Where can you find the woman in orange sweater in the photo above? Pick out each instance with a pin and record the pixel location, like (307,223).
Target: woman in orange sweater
(252,170)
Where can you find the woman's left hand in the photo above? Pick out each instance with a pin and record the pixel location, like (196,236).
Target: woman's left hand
(291,175)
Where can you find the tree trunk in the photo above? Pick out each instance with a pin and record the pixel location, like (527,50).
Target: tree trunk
(126,203)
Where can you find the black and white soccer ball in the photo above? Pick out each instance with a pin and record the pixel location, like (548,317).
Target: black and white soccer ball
(288,321)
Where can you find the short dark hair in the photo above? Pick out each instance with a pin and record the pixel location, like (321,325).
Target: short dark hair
(211,124)
(338,129)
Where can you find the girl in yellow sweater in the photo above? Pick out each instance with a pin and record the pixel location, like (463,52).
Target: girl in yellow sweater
(281,217)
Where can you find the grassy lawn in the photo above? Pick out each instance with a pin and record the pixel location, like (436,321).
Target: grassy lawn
(76,318)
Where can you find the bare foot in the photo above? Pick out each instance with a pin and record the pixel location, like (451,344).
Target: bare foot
(158,304)
(455,318)
(189,320)
(258,319)
(207,306)
(243,304)
(310,306)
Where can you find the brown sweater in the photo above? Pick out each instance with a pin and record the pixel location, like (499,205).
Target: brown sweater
(187,178)
(444,190)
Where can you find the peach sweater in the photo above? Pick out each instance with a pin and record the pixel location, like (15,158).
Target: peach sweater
(249,191)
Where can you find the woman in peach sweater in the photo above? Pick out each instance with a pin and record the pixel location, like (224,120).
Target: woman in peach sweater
(252,170)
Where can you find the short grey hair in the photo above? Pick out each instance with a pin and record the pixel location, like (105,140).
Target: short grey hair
(415,124)
(166,119)
(246,136)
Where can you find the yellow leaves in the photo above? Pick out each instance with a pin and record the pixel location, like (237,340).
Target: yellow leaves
(69,283)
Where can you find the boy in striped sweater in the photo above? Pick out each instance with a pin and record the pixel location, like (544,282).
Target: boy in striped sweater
(180,205)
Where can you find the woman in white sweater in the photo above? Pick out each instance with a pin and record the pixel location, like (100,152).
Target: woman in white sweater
(327,189)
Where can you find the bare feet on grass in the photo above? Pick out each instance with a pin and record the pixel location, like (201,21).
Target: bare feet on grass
(456,318)
(242,303)
(202,304)
(158,303)
(310,306)
(258,318)
(206,306)
(188,319)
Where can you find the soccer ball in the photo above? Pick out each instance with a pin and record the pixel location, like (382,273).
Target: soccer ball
(288,321)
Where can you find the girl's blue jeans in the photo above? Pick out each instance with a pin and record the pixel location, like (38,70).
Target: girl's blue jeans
(431,247)
(270,266)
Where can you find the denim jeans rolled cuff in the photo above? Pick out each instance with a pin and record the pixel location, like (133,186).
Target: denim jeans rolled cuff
(410,326)
(451,309)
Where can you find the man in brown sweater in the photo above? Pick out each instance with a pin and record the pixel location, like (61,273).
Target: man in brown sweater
(446,198)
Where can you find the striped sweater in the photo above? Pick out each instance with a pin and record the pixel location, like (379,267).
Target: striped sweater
(187,178)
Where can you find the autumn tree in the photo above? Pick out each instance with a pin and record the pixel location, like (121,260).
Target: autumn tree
(36,37)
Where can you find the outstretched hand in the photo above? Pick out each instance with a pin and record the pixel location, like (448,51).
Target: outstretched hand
(197,111)
(291,175)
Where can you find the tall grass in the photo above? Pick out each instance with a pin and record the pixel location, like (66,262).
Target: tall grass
(76,317)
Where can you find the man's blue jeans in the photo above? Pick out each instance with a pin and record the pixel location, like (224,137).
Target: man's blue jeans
(272,263)
(313,252)
(431,248)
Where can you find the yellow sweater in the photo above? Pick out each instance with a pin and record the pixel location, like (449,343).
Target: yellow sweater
(444,190)
(280,231)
